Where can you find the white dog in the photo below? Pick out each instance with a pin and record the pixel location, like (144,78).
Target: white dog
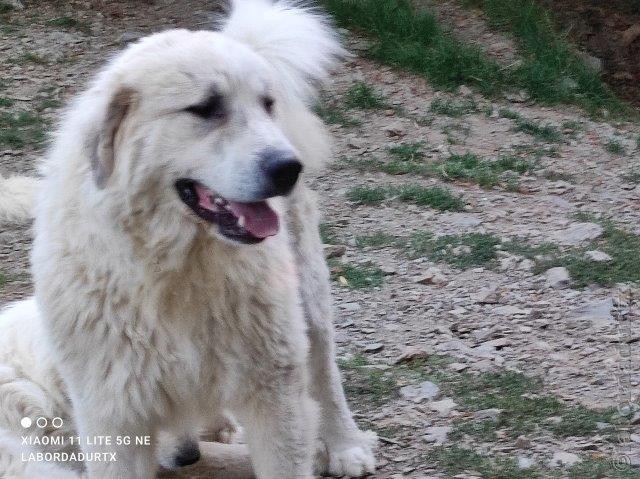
(178,267)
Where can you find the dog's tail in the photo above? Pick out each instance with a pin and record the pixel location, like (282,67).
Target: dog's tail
(17,197)
(299,41)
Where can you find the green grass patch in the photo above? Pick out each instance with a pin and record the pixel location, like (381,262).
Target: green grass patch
(622,246)
(455,460)
(332,114)
(454,108)
(364,97)
(528,251)
(536,129)
(30,57)
(368,195)
(524,407)
(411,39)
(357,276)
(20,129)
(408,152)
(462,251)
(365,384)
(432,196)
(379,239)
(551,71)
(69,23)
(3,279)
(5,8)
(6,102)
(409,158)
(328,233)
(614,147)
(555,175)
(486,173)
(573,125)
(48,103)
(633,175)
(602,469)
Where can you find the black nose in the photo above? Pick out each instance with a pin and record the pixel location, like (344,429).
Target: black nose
(188,453)
(282,169)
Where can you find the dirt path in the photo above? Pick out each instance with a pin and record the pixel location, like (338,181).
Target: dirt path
(465,292)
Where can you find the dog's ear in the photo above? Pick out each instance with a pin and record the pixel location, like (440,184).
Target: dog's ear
(105,144)
(300,42)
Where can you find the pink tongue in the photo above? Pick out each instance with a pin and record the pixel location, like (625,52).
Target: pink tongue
(259,219)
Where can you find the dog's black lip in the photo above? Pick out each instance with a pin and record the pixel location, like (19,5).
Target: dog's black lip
(226,221)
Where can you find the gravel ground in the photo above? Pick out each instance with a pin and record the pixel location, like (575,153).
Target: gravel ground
(499,316)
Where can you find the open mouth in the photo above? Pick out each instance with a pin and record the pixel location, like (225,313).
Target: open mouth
(248,223)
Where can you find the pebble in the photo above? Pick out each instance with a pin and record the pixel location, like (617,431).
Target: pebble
(561,458)
(334,251)
(437,434)
(598,256)
(578,233)
(423,391)
(373,348)
(395,128)
(443,407)
(411,353)
(557,277)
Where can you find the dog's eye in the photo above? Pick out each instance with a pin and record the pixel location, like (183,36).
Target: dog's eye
(212,109)
(268,102)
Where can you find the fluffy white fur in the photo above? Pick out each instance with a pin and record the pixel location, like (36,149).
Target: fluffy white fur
(145,321)
(17,197)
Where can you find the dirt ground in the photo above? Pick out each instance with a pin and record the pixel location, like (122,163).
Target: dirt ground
(476,319)
(610,31)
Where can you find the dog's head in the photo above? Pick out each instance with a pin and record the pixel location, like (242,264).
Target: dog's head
(197,118)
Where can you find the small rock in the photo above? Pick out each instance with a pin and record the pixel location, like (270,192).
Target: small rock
(597,312)
(350,306)
(464,90)
(357,142)
(129,37)
(522,442)
(432,276)
(525,462)
(437,434)
(410,353)
(461,250)
(511,311)
(519,97)
(396,128)
(526,265)
(635,420)
(598,256)
(562,458)
(16,4)
(457,367)
(493,414)
(557,277)
(425,390)
(443,407)
(578,233)
(594,63)
(334,250)
(373,348)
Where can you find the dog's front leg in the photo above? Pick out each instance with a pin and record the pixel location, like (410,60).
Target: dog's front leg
(347,451)
(115,448)
(279,419)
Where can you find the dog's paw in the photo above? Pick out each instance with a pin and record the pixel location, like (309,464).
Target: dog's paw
(350,458)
